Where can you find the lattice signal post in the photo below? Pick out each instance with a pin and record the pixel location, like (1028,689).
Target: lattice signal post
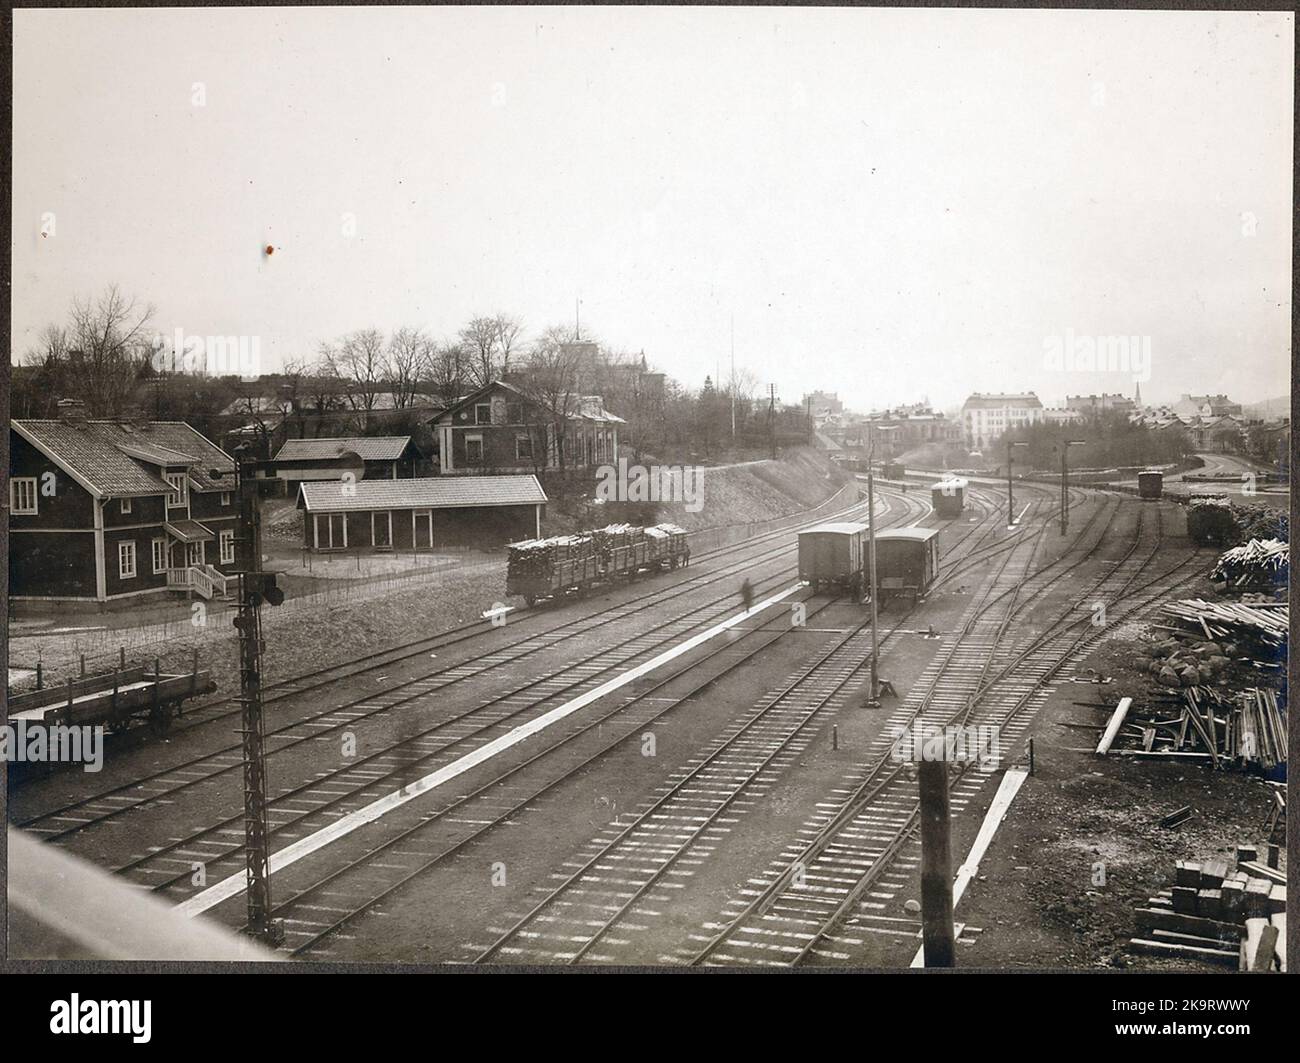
(255,587)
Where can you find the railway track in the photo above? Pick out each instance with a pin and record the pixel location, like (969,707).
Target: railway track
(824,899)
(162,785)
(357,886)
(594,911)
(322,797)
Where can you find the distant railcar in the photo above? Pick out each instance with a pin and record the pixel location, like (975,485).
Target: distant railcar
(1151,483)
(834,555)
(893,470)
(949,497)
(907,561)
(1210,521)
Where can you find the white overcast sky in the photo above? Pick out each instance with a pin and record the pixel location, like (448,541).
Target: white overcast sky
(892,203)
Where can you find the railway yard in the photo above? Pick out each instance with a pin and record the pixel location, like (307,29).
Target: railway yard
(651,773)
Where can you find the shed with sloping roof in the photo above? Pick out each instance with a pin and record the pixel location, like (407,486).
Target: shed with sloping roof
(420,514)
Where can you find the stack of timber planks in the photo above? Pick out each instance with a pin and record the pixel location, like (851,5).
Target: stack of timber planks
(1264,624)
(1263,563)
(536,558)
(1216,913)
(1246,731)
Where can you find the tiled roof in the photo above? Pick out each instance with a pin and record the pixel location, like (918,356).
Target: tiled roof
(437,492)
(155,454)
(372,448)
(93,451)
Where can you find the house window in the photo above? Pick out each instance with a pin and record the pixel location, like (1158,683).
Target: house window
(225,498)
(159,556)
(524,447)
(196,554)
(227,540)
(515,412)
(126,560)
(474,450)
(22,495)
(483,413)
(126,506)
(176,496)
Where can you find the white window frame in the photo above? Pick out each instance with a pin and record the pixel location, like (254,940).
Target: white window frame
(524,438)
(226,542)
(225,498)
(125,506)
(126,567)
(483,406)
(158,571)
(203,554)
(18,487)
(180,491)
(474,439)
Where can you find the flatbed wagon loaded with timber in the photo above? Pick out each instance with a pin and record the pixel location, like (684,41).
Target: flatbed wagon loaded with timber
(550,568)
(114,699)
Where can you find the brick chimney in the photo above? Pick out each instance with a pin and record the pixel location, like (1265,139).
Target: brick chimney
(72,411)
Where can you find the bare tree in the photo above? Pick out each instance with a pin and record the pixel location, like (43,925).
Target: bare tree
(508,331)
(359,362)
(408,350)
(479,341)
(106,349)
(553,382)
(444,370)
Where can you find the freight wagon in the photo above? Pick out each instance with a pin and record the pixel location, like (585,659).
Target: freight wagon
(907,560)
(550,568)
(1210,521)
(834,555)
(948,497)
(1151,483)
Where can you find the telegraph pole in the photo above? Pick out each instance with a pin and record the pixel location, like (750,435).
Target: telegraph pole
(771,418)
(1011,505)
(733,378)
(873,701)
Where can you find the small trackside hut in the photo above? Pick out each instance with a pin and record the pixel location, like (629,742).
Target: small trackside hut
(834,555)
(948,497)
(907,560)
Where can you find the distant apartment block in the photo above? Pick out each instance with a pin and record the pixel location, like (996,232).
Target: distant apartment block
(985,417)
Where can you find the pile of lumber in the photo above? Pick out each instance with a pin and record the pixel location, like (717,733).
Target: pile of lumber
(1218,914)
(1246,731)
(536,558)
(1259,563)
(612,536)
(1263,624)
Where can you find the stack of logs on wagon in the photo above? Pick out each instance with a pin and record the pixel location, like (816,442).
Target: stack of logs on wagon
(548,568)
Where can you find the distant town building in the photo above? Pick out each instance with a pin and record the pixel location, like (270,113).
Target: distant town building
(823,406)
(1090,405)
(1207,406)
(901,429)
(985,417)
